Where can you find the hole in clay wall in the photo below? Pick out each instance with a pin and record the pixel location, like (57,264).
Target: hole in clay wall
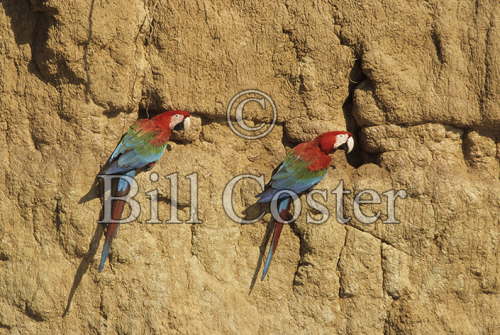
(150,105)
(356,76)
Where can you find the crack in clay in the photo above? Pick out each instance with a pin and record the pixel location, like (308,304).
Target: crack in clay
(484,92)
(303,251)
(58,211)
(380,239)
(384,280)
(438,44)
(4,257)
(301,51)
(342,249)
(33,315)
(4,326)
(342,293)
(89,96)
(147,17)
(86,64)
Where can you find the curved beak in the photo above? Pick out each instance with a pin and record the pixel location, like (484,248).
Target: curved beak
(184,125)
(350,144)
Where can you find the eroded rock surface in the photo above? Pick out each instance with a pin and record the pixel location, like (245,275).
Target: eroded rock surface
(416,82)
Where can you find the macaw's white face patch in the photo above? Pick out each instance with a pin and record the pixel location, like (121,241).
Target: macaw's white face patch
(177,119)
(341,139)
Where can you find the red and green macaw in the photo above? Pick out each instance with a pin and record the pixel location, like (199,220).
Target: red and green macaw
(139,149)
(303,167)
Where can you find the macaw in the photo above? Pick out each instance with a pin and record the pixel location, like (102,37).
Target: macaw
(139,149)
(304,166)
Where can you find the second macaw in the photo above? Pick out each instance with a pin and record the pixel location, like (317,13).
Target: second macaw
(139,149)
(304,166)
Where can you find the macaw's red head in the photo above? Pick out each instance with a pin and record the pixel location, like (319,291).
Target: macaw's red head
(174,120)
(333,140)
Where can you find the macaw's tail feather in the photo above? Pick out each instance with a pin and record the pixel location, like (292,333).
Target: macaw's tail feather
(283,208)
(121,188)
(274,244)
(123,184)
(111,231)
(104,255)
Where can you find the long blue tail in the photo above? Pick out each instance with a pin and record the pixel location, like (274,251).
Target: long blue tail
(122,183)
(274,243)
(122,188)
(278,226)
(104,254)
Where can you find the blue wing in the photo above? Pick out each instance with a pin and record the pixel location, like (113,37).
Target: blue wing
(132,153)
(292,175)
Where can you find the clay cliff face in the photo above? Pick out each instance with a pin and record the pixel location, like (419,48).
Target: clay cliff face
(417,82)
